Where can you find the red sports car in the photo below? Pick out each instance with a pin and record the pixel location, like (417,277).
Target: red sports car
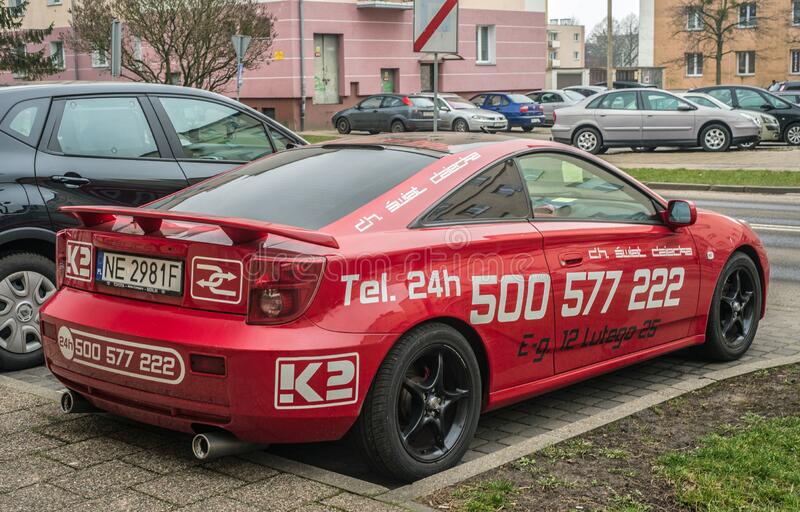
(396,286)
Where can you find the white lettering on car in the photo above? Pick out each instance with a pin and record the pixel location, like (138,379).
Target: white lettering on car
(79,261)
(316,381)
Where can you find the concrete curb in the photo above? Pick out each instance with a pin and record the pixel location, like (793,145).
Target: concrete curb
(404,496)
(724,188)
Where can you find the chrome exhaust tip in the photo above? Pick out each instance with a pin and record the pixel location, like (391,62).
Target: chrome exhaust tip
(74,403)
(213,445)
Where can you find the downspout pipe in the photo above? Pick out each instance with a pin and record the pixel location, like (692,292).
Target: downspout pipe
(302,70)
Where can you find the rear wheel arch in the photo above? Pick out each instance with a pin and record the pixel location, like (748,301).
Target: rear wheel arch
(36,240)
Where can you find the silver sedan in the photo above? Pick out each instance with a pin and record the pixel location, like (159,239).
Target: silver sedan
(461,115)
(552,100)
(649,118)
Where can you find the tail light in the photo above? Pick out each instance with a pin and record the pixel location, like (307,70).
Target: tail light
(282,288)
(61,257)
(408,102)
(523,109)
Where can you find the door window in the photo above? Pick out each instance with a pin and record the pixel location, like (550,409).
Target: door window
(478,100)
(279,140)
(750,99)
(496,101)
(660,101)
(210,131)
(563,187)
(495,195)
(619,101)
(723,95)
(372,102)
(392,101)
(104,127)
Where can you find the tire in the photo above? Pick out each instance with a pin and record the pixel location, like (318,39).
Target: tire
(460,125)
(343,126)
(398,126)
(748,146)
(603,150)
(374,132)
(715,138)
(405,385)
(589,140)
(735,311)
(792,135)
(21,295)
(527,129)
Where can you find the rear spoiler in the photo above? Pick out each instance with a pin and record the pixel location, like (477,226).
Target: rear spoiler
(238,230)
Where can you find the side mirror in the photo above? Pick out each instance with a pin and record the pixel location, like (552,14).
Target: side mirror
(685,108)
(680,213)
(766,106)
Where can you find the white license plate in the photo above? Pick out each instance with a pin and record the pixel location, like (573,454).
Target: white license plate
(139,273)
(427,114)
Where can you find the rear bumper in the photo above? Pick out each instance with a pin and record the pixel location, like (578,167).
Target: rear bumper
(527,121)
(253,400)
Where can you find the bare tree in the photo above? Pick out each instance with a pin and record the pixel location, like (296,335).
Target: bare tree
(626,43)
(709,27)
(176,41)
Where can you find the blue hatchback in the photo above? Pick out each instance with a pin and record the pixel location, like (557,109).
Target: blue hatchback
(519,109)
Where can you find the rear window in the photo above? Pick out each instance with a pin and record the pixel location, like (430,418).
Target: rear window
(520,98)
(422,102)
(308,187)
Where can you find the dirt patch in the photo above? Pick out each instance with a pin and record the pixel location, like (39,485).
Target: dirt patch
(614,467)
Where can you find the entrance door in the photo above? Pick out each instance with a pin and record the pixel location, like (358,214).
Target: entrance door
(426,77)
(326,68)
(388,81)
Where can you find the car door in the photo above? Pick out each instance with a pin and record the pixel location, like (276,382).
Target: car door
(666,118)
(622,281)
(365,115)
(208,137)
(506,286)
(447,115)
(391,107)
(106,150)
(619,117)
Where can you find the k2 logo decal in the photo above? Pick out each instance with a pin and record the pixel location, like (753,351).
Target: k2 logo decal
(217,280)
(79,261)
(315,382)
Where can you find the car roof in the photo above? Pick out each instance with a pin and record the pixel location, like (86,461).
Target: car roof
(436,144)
(67,88)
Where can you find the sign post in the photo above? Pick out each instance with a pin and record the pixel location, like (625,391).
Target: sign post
(435,32)
(116,48)
(240,44)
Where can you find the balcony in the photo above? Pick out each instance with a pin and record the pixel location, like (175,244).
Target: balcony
(554,43)
(555,63)
(385,4)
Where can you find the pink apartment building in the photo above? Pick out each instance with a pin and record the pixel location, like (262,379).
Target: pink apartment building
(354,48)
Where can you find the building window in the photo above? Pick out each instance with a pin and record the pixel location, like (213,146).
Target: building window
(15,3)
(795,68)
(54,2)
(577,37)
(796,12)
(746,63)
(747,15)
(577,55)
(553,55)
(99,59)
(486,44)
(553,36)
(694,64)
(694,19)
(57,54)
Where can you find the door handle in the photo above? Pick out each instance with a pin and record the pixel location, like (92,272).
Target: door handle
(570,259)
(71,179)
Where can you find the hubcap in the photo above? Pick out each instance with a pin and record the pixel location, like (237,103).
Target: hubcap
(794,135)
(431,409)
(21,296)
(715,138)
(737,309)
(587,141)
(461,126)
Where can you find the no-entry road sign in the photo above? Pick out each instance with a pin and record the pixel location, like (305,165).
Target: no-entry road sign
(436,26)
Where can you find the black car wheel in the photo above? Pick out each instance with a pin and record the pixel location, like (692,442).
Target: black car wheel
(422,409)
(460,125)
(527,129)
(735,310)
(27,280)
(715,138)
(343,126)
(589,140)
(793,134)
(398,126)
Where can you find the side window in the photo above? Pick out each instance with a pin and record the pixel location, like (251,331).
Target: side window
(391,101)
(660,101)
(25,120)
(495,101)
(564,187)
(279,139)
(723,95)
(703,101)
(495,194)
(619,101)
(105,127)
(504,102)
(372,102)
(210,131)
(776,102)
(750,99)
(478,100)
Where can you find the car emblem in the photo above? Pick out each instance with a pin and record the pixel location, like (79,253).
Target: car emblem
(79,261)
(316,381)
(217,280)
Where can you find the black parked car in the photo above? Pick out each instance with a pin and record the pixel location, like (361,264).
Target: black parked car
(101,143)
(754,98)
(386,113)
